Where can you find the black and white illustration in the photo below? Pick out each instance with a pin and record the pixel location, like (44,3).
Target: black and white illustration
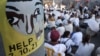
(25,16)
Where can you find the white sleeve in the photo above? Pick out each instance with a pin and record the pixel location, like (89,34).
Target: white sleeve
(72,43)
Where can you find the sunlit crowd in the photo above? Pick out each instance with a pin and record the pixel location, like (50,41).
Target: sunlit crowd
(69,31)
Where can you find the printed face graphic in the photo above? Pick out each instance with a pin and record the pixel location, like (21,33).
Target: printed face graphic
(25,16)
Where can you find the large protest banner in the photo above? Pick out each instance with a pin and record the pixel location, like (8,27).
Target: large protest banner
(21,26)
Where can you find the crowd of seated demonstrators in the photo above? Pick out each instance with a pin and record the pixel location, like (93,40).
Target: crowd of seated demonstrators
(65,32)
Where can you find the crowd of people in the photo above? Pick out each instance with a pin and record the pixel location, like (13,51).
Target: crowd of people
(70,30)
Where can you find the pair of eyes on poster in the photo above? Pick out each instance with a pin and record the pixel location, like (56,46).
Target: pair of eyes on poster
(25,16)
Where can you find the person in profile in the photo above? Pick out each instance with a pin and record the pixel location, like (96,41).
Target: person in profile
(25,16)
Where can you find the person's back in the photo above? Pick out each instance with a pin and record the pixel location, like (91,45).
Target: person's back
(65,39)
(77,36)
(69,27)
(61,29)
(93,24)
(58,21)
(54,44)
(98,51)
(58,48)
(85,48)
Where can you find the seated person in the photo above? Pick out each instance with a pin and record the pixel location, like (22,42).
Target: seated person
(85,48)
(65,39)
(54,44)
(77,36)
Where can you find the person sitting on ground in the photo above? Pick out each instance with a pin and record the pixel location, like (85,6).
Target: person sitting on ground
(69,27)
(65,39)
(77,36)
(49,33)
(58,21)
(85,47)
(51,21)
(54,43)
(61,29)
(93,26)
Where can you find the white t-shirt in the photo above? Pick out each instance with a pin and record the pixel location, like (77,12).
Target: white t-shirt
(72,19)
(57,13)
(93,24)
(85,50)
(76,22)
(58,21)
(58,48)
(68,42)
(69,27)
(98,20)
(65,22)
(61,30)
(77,38)
(67,16)
(51,24)
(48,36)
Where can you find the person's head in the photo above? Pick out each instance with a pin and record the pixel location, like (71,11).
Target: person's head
(59,17)
(23,15)
(53,28)
(65,12)
(86,39)
(78,29)
(60,24)
(54,36)
(53,15)
(69,21)
(66,34)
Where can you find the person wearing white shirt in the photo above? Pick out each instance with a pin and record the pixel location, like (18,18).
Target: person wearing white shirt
(69,27)
(76,21)
(98,19)
(66,16)
(54,44)
(49,33)
(57,14)
(85,48)
(51,21)
(65,39)
(65,22)
(77,36)
(58,48)
(61,29)
(98,51)
(72,18)
(58,21)
(93,25)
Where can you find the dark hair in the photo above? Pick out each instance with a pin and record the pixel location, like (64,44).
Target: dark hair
(53,14)
(49,15)
(78,29)
(66,34)
(53,28)
(69,21)
(60,25)
(86,39)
